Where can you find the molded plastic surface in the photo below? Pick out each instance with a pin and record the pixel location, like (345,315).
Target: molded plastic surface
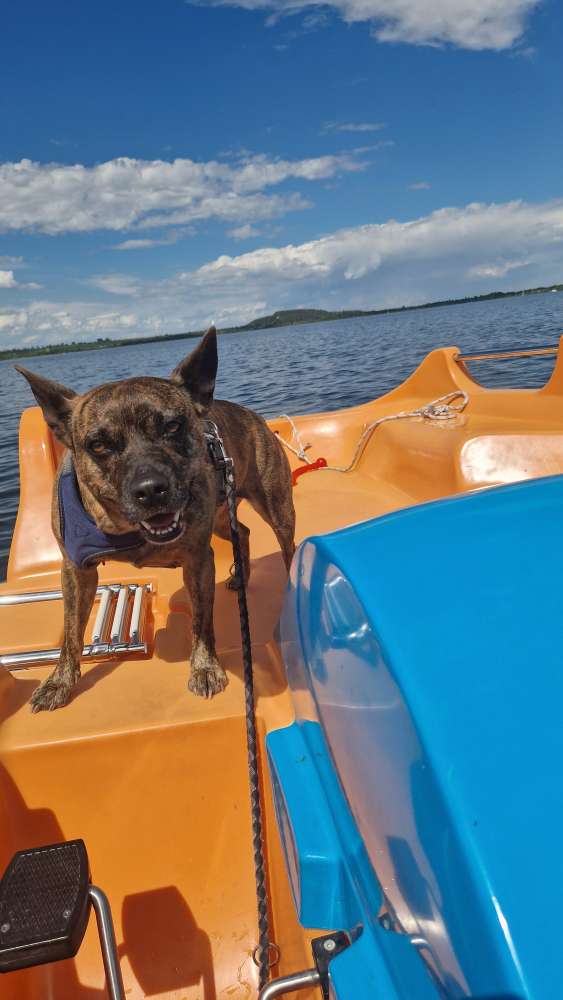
(427,645)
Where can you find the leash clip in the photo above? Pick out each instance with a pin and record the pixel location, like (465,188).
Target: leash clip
(216,447)
(222,463)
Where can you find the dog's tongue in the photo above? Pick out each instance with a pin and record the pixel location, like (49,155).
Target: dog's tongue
(160,520)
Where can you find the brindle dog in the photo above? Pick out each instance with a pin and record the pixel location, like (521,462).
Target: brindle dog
(142,464)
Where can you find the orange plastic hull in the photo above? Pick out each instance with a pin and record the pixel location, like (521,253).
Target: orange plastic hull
(154,779)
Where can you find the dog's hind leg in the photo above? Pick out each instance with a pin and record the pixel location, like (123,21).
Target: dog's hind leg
(222,528)
(79,590)
(276,507)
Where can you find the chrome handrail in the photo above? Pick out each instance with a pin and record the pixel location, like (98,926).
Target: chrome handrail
(100,651)
(519,352)
(32,596)
(290,984)
(106,933)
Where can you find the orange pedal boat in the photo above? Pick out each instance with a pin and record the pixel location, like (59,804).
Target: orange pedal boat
(153,779)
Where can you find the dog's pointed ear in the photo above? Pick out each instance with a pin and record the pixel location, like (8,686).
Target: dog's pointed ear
(197,373)
(56,402)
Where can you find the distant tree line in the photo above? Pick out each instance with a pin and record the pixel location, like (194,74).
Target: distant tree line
(284,317)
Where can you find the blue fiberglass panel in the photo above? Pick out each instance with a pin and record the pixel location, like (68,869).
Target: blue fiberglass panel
(333,881)
(428,646)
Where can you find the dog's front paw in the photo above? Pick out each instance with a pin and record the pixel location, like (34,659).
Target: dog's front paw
(51,694)
(207,681)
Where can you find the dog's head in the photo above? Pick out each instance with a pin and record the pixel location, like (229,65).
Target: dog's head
(137,445)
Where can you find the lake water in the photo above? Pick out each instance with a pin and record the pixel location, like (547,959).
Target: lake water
(302,368)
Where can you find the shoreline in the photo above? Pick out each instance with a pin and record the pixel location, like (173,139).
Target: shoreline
(277,320)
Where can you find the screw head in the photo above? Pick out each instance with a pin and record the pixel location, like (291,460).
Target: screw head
(5,928)
(329,944)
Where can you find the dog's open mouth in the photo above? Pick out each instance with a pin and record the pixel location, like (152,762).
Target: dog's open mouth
(163,527)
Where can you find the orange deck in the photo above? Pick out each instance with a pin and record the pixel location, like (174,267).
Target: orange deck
(153,778)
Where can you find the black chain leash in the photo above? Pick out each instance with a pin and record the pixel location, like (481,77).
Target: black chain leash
(266,953)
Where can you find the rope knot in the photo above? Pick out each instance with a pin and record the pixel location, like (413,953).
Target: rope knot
(438,411)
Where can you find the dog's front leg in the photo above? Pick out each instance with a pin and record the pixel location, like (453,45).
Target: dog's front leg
(79,591)
(207,677)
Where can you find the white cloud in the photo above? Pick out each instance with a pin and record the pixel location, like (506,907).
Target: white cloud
(13,321)
(126,194)
(497,270)
(352,127)
(419,186)
(9,261)
(142,244)
(7,279)
(231,208)
(530,52)
(455,236)
(54,322)
(469,24)
(374,147)
(116,284)
(245,232)
(449,253)
(260,171)
(240,153)
(111,320)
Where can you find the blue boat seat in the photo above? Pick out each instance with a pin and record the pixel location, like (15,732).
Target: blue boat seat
(419,792)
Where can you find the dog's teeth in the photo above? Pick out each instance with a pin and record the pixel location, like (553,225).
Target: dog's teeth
(159,532)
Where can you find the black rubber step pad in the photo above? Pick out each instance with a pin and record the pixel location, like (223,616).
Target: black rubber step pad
(44,905)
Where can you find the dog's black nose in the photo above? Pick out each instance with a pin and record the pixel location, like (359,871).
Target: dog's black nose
(151,490)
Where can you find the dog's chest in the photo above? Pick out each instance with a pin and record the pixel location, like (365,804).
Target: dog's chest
(151,555)
(155,556)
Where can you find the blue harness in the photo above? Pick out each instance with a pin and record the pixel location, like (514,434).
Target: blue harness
(84,542)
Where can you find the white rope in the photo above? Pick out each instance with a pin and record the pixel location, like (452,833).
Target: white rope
(301,448)
(443,408)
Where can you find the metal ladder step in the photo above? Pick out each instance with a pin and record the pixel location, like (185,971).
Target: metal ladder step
(119,628)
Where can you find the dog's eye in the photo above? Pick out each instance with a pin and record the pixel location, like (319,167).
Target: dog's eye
(98,447)
(172,427)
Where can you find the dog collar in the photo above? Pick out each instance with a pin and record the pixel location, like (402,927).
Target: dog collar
(84,542)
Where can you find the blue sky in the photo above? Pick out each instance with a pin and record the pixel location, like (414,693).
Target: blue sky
(162,166)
